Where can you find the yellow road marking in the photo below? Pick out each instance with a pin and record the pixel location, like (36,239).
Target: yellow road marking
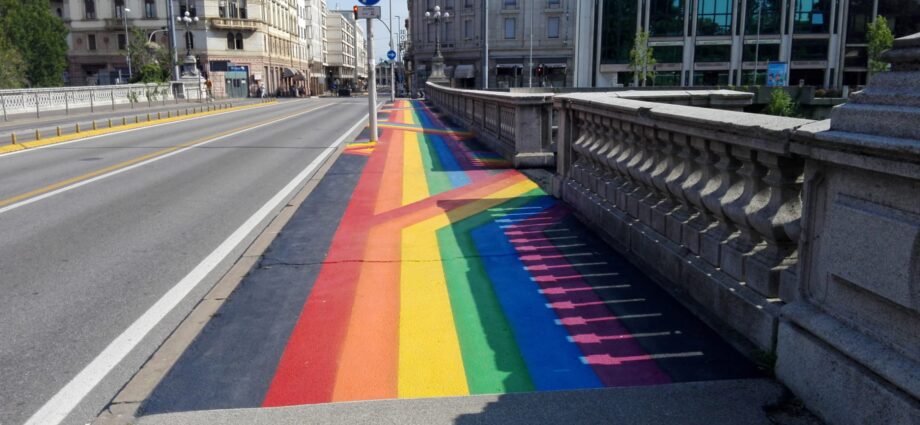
(430,361)
(415,184)
(98,132)
(111,168)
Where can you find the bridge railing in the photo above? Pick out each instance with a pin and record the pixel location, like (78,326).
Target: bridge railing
(519,126)
(42,100)
(705,198)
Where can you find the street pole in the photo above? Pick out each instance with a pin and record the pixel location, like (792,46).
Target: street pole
(372,82)
(485,59)
(530,78)
(171,26)
(392,67)
(124,16)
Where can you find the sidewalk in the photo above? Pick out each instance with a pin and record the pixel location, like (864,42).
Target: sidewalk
(423,266)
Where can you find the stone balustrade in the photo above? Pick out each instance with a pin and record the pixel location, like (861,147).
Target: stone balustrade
(37,101)
(707,199)
(518,126)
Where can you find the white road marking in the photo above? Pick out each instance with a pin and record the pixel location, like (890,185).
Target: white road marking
(115,133)
(55,410)
(67,188)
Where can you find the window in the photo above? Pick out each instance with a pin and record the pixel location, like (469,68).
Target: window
(717,53)
(667,18)
(231,41)
(448,31)
(89,7)
(431,35)
(618,30)
(468,4)
(448,4)
(119,9)
(763,54)
(763,17)
(809,50)
(812,16)
(552,27)
(553,4)
(714,17)
(468,29)
(668,54)
(91,41)
(510,28)
(509,4)
(122,42)
(150,8)
(189,40)
(858,17)
(239,41)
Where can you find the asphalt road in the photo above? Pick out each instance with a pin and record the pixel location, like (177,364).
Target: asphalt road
(91,237)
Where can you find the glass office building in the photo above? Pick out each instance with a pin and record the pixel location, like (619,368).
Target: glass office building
(722,42)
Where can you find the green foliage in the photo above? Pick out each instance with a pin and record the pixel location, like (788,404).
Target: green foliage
(641,59)
(880,39)
(150,60)
(39,38)
(780,104)
(12,69)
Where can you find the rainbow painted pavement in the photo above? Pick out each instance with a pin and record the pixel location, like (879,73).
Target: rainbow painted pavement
(452,274)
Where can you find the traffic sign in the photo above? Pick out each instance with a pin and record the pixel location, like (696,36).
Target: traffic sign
(368,2)
(391,55)
(368,12)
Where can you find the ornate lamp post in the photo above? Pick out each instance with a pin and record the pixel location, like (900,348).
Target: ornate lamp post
(190,62)
(124,18)
(437,63)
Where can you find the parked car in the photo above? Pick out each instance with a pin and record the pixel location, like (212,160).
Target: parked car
(344,92)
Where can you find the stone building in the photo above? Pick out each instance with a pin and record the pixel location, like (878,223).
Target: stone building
(722,42)
(516,28)
(347,51)
(239,44)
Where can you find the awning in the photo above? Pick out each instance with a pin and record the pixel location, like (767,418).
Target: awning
(464,71)
(289,72)
(448,71)
(508,65)
(556,65)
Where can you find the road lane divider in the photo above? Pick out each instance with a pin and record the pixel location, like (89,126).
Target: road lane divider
(59,406)
(99,131)
(92,176)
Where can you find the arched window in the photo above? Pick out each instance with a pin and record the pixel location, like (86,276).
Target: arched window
(189,40)
(231,43)
(239,41)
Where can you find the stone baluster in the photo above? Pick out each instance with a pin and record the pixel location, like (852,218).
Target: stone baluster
(583,134)
(725,177)
(653,158)
(704,170)
(663,169)
(614,178)
(621,162)
(681,172)
(640,153)
(737,202)
(592,142)
(776,218)
(599,154)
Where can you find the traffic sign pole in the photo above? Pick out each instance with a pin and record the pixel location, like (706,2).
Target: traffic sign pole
(372,83)
(392,64)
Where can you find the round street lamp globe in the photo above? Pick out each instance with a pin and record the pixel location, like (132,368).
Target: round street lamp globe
(427,14)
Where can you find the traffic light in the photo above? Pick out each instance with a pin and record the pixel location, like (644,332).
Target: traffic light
(355,10)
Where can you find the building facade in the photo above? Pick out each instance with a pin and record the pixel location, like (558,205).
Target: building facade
(243,46)
(531,43)
(730,42)
(347,48)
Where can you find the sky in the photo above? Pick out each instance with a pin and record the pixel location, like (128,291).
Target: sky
(381,35)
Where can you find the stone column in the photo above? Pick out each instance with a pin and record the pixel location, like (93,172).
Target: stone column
(849,345)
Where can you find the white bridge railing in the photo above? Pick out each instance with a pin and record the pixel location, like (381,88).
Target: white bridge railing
(38,101)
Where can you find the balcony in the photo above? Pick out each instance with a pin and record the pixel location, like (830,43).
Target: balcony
(236,24)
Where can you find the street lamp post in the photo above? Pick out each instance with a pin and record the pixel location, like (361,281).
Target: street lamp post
(190,61)
(124,18)
(392,63)
(437,63)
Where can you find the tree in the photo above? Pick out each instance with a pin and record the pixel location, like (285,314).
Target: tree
(150,60)
(641,59)
(781,104)
(39,38)
(880,39)
(12,69)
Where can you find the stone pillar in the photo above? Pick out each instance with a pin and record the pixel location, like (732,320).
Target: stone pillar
(848,344)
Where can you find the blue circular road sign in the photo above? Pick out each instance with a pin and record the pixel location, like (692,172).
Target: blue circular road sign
(391,55)
(369,2)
